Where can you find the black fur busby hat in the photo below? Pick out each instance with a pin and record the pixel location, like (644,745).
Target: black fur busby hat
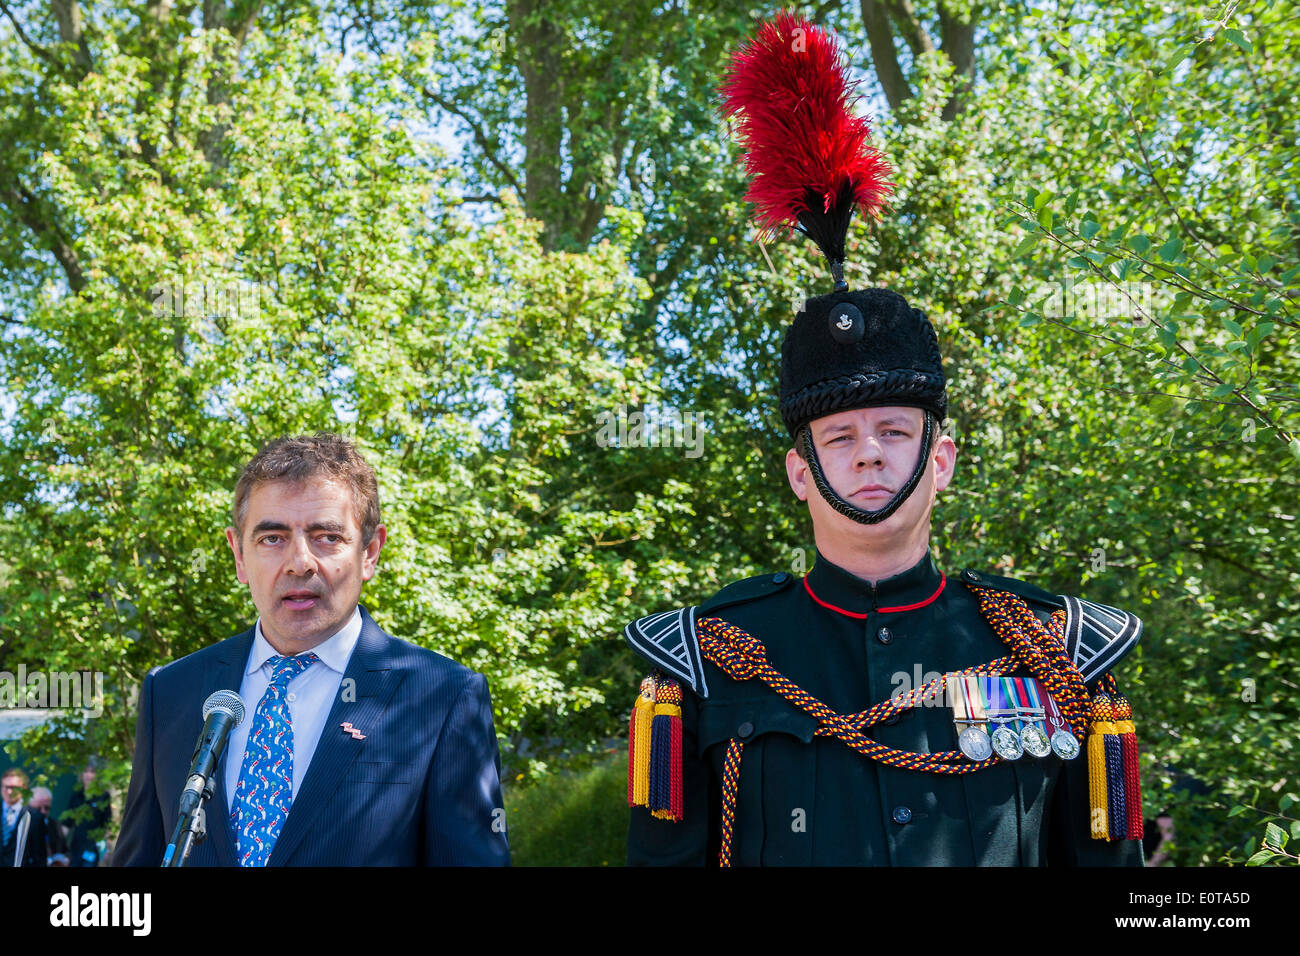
(810,165)
(859,349)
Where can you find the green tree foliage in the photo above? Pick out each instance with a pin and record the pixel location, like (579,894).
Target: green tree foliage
(325,279)
(1160,187)
(469,230)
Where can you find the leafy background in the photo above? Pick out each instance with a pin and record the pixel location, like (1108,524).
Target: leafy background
(459,232)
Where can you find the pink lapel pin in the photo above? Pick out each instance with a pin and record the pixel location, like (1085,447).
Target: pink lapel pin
(349,729)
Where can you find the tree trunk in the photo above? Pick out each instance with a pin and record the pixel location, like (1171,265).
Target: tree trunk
(884,55)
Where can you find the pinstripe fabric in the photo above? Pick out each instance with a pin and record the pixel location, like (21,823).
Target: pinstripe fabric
(421,789)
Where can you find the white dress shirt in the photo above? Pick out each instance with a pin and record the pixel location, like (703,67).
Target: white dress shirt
(310,697)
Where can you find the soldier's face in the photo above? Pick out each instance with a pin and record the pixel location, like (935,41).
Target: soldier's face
(867,455)
(302,558)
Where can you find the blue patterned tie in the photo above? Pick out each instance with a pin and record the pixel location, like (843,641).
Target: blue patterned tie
(265,787)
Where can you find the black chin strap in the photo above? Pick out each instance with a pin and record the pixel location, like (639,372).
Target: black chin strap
(848,510)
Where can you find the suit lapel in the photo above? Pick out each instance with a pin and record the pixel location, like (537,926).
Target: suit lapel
(371,668)
(226,673)
(21,826)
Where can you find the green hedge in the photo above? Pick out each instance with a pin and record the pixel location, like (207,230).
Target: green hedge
(571,818)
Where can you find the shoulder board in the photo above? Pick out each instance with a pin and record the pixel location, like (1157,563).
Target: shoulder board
(1097,636)
(668,639)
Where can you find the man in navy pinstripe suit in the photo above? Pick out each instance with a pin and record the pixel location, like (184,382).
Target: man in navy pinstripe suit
(357,749)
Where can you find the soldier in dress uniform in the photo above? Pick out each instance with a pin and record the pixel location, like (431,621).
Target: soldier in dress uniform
(878,711)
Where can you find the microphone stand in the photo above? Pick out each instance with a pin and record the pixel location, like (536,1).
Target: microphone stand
(191,826)
(223,711)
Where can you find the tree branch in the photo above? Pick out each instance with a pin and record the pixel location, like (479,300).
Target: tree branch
(215,18)
(480,137)
(36,48)
(958,39)
(909,25)
(24,205)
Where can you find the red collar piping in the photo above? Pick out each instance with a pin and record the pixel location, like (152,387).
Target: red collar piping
(943,579)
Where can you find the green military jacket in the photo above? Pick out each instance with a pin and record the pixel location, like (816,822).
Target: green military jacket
(805,800)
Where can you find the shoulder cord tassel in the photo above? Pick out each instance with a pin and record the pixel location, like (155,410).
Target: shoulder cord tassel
(1105,772)
(638,746)
(1129,747)
(1114,785)
(666,752)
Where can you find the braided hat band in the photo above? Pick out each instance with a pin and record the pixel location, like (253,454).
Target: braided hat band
(849,510)
(915,388)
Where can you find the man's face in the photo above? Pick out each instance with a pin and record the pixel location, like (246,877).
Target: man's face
(867,455)
(41,801)
(13,790)
(302,559)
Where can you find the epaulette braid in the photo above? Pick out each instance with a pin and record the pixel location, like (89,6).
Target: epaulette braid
(1042,651)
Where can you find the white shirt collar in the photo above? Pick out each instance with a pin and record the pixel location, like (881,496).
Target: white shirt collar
(334,652)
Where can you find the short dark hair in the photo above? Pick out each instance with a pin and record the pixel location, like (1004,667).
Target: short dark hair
(303,457)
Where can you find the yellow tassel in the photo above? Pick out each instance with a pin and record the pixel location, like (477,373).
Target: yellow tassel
(1098,794)
(642,716)
(1097,798)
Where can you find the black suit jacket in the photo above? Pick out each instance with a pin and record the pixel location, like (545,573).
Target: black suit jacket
(27,838)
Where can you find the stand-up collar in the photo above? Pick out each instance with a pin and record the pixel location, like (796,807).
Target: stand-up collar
(845,593)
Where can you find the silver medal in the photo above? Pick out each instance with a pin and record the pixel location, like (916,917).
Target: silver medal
(974,743)
(1035,741)
(1007,743)
(1064,745)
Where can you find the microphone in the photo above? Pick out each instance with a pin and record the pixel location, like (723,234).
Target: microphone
(223,711)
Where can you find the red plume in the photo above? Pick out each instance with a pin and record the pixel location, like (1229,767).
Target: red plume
(806,151)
